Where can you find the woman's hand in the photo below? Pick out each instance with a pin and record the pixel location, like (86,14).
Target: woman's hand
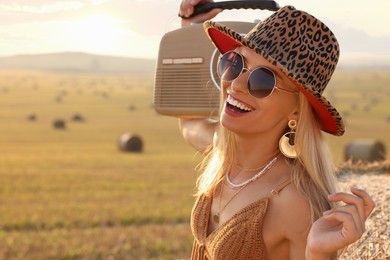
(187,8)
(341,225)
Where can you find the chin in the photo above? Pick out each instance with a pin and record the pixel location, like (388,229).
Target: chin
(233,124)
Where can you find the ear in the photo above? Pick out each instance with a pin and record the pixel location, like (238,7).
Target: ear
(294,114)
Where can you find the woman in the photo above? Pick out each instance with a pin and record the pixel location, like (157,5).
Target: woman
(267,188)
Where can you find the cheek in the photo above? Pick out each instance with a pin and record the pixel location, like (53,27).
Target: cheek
(224,88)
(276,109)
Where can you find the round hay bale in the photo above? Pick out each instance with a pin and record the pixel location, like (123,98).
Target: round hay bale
(31,117)
(59,124)
(365,150)
(78,118)
(130,143)
(346,113)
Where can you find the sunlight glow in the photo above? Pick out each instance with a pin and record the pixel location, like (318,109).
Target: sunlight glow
(99,33)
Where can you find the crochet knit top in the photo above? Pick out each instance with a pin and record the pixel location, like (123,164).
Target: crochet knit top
(240,237)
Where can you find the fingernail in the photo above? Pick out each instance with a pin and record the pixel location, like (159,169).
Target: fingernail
(331,196)
(326,212)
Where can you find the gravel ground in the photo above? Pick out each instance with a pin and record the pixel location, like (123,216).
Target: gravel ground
(375,179)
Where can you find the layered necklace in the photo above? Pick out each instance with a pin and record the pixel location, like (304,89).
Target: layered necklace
(263,169)
(241,186)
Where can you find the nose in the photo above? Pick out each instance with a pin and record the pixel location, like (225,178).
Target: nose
(239,85)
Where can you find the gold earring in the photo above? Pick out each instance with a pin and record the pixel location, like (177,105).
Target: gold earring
(287,142)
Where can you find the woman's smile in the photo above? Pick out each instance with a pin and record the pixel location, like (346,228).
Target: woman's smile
(236,106)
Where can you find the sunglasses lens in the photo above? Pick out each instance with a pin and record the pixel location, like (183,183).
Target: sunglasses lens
(261,82)
(230,66)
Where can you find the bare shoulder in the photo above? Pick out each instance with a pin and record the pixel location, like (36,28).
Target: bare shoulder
(287,224)
(295,220)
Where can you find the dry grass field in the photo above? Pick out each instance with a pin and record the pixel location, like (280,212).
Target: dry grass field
(72,194)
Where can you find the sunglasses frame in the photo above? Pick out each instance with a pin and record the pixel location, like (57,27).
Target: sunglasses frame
(243,69)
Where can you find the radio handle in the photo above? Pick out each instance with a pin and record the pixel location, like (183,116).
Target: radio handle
(228,5)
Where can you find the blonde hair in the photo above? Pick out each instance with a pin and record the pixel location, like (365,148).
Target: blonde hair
(312,171)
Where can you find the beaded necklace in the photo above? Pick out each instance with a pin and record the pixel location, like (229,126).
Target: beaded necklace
(254,177)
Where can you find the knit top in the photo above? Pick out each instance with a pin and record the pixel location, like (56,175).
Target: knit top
(240,237)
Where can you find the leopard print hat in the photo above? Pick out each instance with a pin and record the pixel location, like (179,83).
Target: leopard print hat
(301,46)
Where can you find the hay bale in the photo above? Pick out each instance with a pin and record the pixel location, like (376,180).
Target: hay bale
(366,150)
(78,118)
(59,124)
(346,113)
(130,143)
(31,117)
(367,108)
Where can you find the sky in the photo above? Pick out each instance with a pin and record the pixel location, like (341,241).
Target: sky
(133,28)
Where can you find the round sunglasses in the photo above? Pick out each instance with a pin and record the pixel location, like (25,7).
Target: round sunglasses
(261,80)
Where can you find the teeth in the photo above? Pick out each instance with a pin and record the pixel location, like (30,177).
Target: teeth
(236,103)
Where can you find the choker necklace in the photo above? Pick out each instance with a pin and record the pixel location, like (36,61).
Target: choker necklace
(254,177)
(249,170)
(253,169)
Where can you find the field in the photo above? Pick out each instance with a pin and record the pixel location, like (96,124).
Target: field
(72,194)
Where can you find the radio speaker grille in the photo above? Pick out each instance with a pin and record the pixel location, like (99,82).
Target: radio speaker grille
(187,89)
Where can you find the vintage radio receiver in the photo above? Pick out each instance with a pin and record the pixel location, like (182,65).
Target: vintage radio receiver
(186,82)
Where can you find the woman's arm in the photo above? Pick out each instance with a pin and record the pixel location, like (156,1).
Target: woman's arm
(198,132)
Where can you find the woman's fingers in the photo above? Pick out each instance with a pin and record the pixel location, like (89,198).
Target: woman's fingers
(187,8)
(349,231)
(359,198)
(352,200)
(368,202)
(351,211)
(358,206)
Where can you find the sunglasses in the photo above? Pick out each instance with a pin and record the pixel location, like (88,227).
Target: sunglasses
(261,80)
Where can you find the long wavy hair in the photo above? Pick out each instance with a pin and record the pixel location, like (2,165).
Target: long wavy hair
(312,172)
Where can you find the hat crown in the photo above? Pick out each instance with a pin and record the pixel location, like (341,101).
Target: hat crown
(302,46)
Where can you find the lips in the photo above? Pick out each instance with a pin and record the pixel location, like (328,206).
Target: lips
(237,106)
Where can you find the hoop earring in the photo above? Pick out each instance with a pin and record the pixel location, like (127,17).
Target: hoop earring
(287,141)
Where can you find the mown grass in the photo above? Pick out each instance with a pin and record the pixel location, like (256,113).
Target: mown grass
(64,192)
(71,194)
